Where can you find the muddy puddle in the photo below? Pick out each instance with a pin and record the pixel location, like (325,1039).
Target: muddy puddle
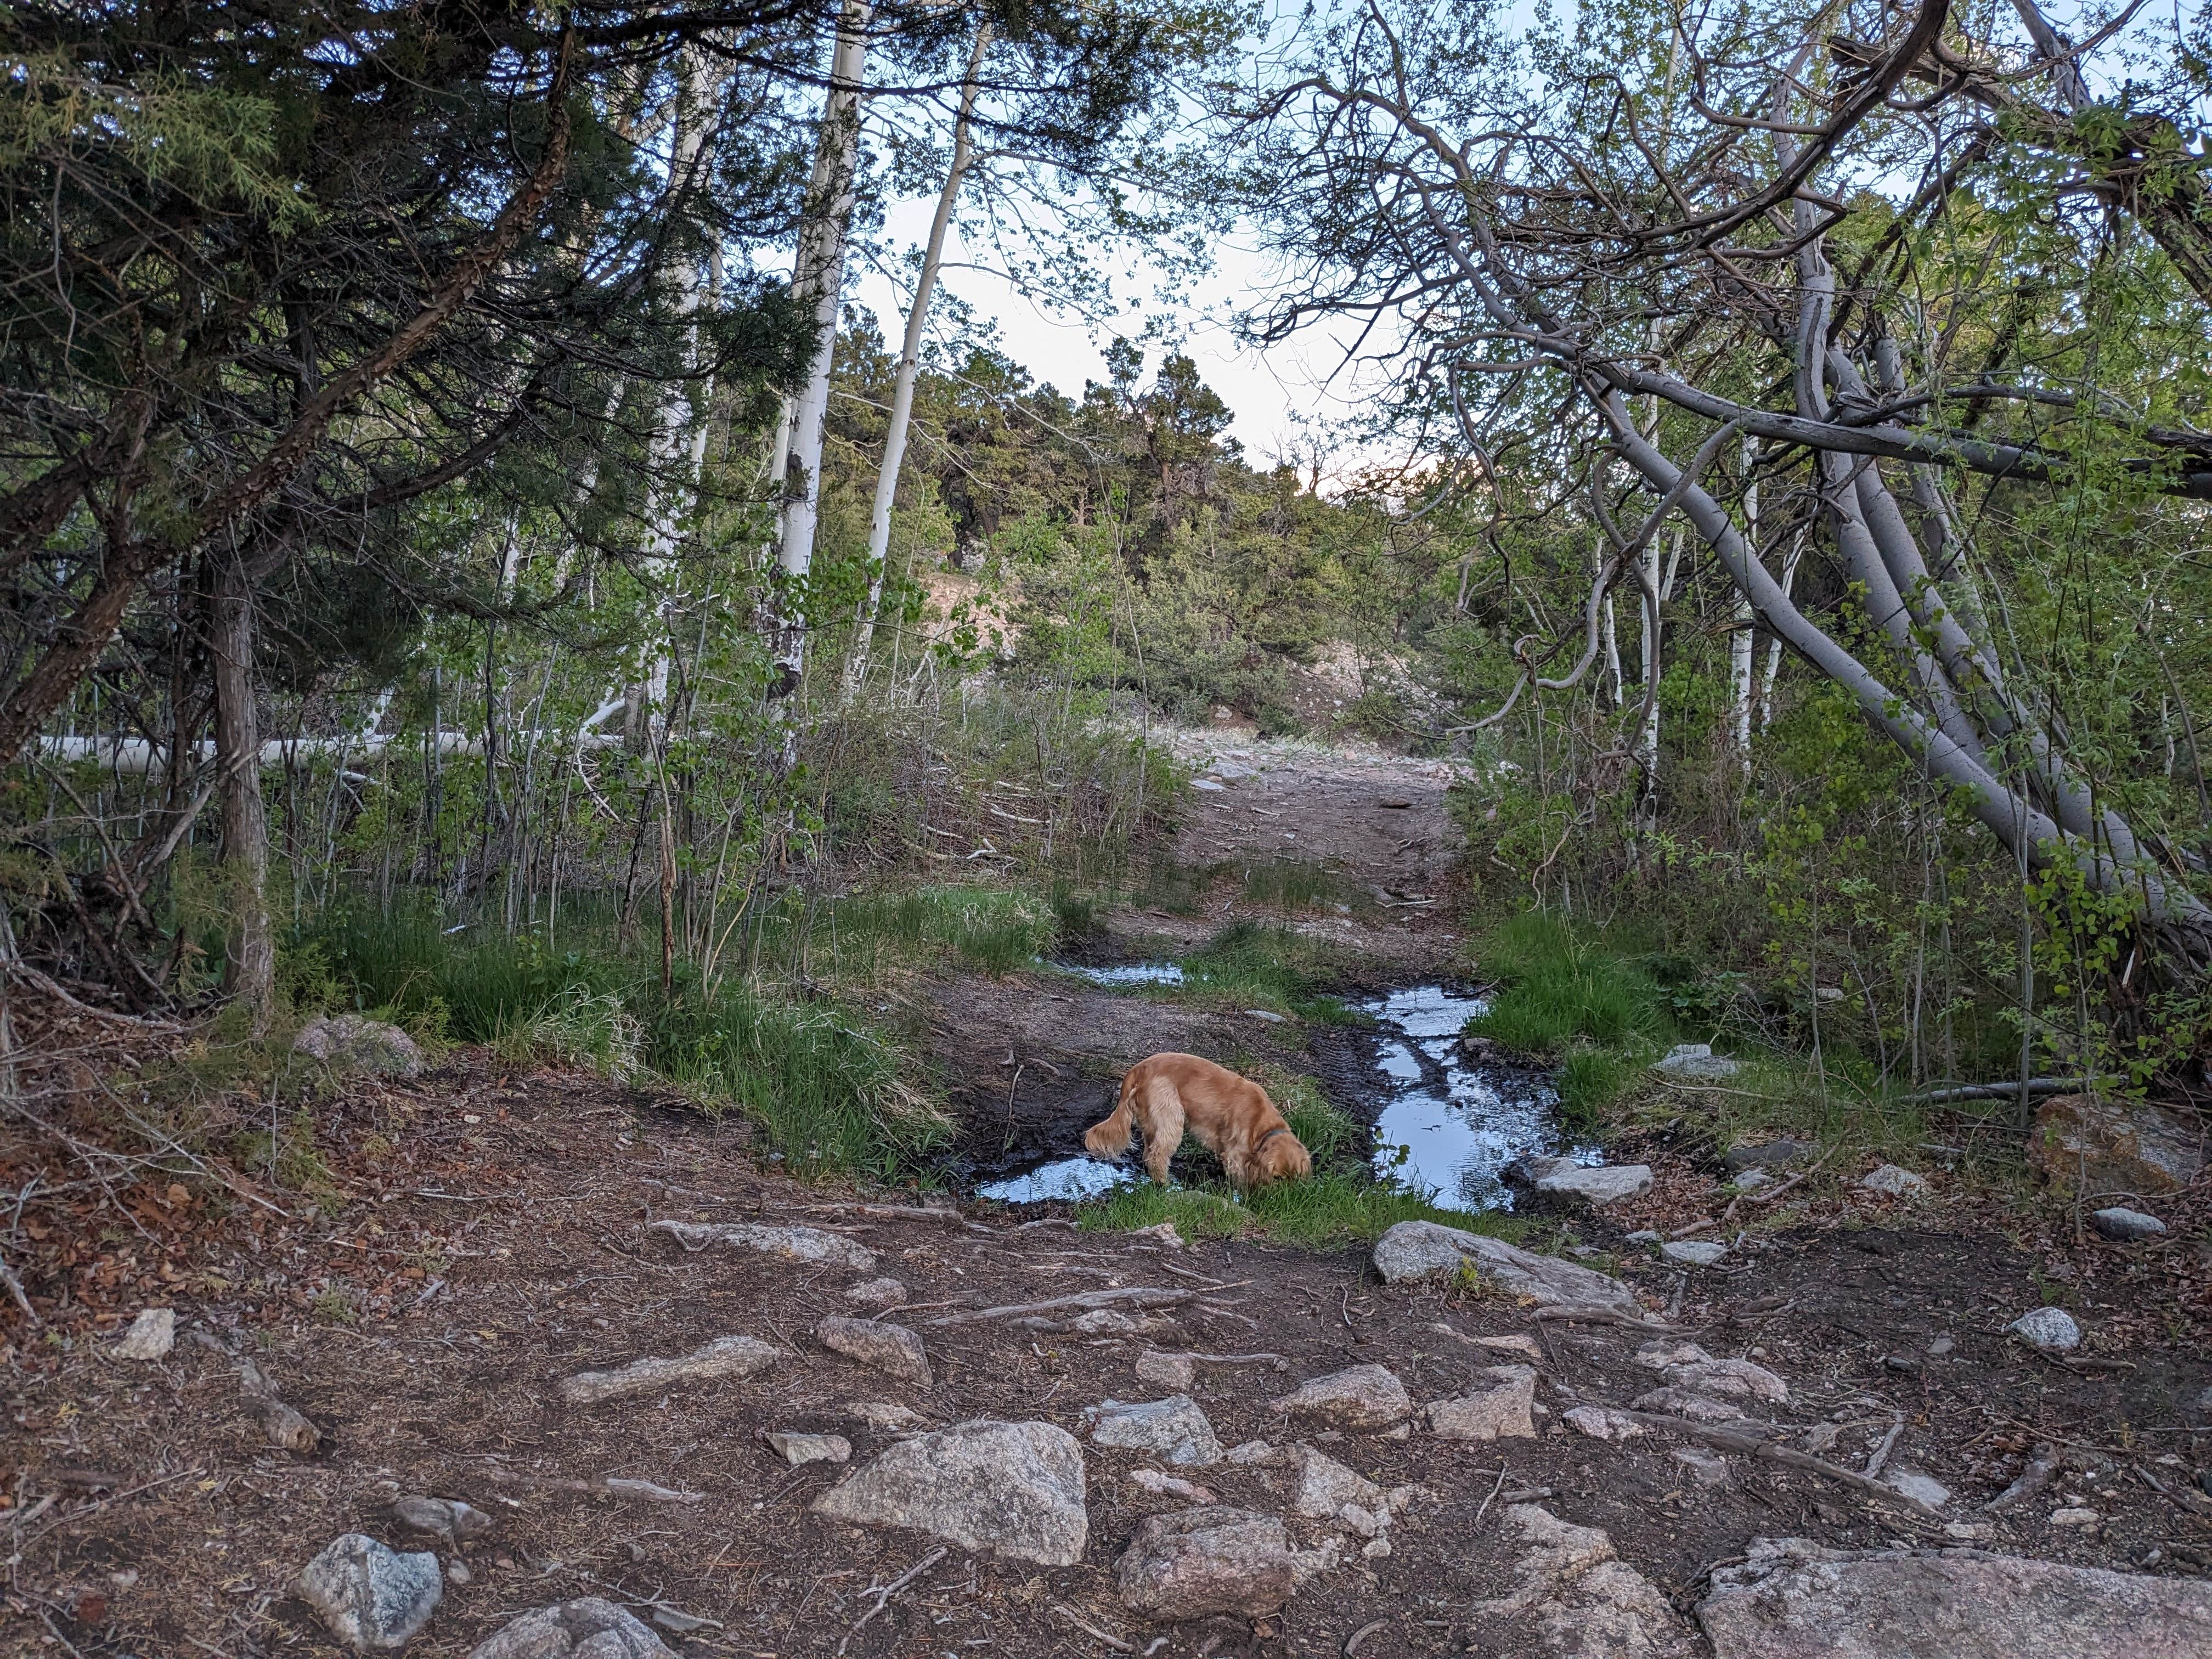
(1443,1124)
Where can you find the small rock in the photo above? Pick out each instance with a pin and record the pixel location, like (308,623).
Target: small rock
(883,1416)
(1666,1353)
(448,1518)
(588,1628)
(1921,1488)
(372,1599)
(2052,1329)
(1498,1413)
(1376,1549)
(1750,1180)
(2117,1222)
(1174,1428)
(1172,1372)
(1251,1451)
(1693,1252)
(1169,1485)
(2074,1515)
(151,1335)
(1595,1187)
(1362,1397)
(285,1427)
(1205,1562)
(1891,1182)
(1160,1233)
(1603,1422)
(1512,1342)
(808,1245)
(1706,1469)
(1207,786)
(892,1349)
(354,1043)
(1768,1154)
(1940,1346)
(797,1448)
(1643,1236)
(1421,1249)
(1015,1489)
(456,1571)
(1270,1016)
(1682,1403)
(1965,1531)
(1112,1322)
(731,1358)
(877,1293)
(1696,1059)
(1326,1487)
(1730,1379)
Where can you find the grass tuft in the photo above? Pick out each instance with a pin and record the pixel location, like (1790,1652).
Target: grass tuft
(1249,965)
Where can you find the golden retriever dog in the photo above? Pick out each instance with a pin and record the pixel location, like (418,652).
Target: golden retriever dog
(1164,1097)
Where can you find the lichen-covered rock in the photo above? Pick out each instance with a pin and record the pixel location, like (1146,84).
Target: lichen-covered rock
(1325,1486)
(797,1449)
(1362,1397)
(727,1358)
(1198,1563)
(810,1246)
(1730,1379)
(2092,1145)
(372,1599)
(2052,1329)
(1889,1180)
(352,1044)
(1012,1489)
(152,1335)
(1795,1599)
(1172,1372)
(1575,1599)
(892,1349)
(1501,1412)
(1174,1428)
(588,1628)
(1421,1249)
(1602,1423)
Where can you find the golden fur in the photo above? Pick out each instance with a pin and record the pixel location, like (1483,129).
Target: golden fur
(1170,1094)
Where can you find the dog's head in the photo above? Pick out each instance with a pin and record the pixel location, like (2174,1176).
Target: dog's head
(1281,1157)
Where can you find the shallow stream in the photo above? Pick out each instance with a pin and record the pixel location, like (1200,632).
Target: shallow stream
(1444,1125)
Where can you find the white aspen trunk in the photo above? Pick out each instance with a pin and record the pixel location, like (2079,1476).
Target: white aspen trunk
(1739,639)
(679,434)
(1774,646)
(909,363)
(818,276)
(1613,649)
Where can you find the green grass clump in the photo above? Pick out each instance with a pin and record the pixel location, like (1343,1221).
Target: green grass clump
(825,1091)
(994,929)
(1559,991)
(1334,1207)
(1247,965)
(1289,885)
(473,985)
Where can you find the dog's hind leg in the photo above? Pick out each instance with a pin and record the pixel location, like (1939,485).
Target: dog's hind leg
(1163,1127)
(1109,1136)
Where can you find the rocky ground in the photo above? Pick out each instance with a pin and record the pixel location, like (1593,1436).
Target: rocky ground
(551,1366)
(733,1405)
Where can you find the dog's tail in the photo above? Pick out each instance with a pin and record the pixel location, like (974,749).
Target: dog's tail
(1109,1138)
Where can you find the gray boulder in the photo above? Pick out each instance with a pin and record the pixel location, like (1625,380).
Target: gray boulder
(1174,1428)
(372,1599)
(352,1044)
(892,1349)
(2118,1222)
(1501,1412)
(588,1628)
(1575,1599)
(1198,1563)
(1012,1489)
(1696,1060)
(1571,1182)
(809,1246)
(2052,1329)
(1421,1249)
(1362,1397)
(1794,1600)
(1693,1252)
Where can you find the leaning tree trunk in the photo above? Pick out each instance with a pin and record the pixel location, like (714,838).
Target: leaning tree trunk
(909,363)
(251,973)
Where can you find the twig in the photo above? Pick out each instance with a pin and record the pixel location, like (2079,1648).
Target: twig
(887,1591)
(2041,1469)
(1112,1642)
(1494,1490)
(16,1288)
(1752,1446)
(1352,1642)
(1602,1316)
(1769,1198)
(1882,1452)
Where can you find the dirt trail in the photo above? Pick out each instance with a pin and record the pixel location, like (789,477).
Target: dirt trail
(497,1233)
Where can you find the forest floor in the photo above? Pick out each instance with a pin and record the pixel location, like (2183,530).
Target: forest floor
(484,1233)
